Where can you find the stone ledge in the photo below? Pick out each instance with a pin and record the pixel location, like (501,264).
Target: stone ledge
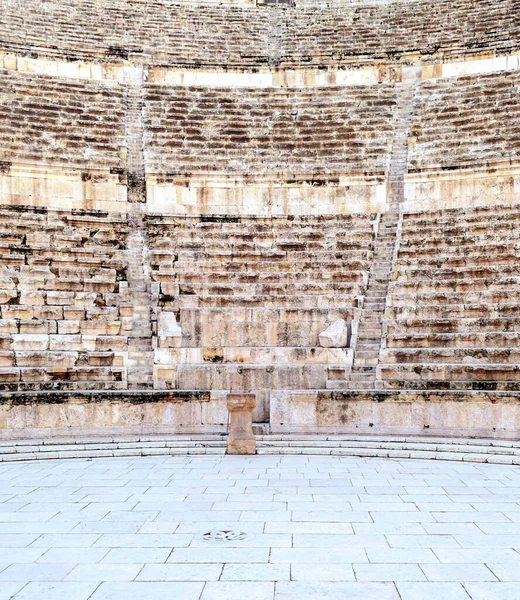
(410,395)
(130,396)
(389,412)
(353,72)
(128,412)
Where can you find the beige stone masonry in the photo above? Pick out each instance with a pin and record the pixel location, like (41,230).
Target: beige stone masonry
(62,187)
(343,194)
(241,439)
(88,413)
(492,185)
(296,76)
(399,413)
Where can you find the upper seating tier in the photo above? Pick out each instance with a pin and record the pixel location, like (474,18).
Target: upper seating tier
(245,36)
(466,121)
(49,120)
(250,131)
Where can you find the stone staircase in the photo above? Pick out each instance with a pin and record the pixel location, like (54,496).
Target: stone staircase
(506,452)
(366,354)
(369,335)
(140,357)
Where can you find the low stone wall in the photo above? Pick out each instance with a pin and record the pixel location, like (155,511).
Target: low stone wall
(458,414)
(51,414)
(89,413)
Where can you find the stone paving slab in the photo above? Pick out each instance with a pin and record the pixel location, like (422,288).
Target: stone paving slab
(259,528)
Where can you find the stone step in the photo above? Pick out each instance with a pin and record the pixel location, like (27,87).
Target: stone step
(365,362)
(369,333)
(464,450)
(110,447)
(359,374)
(366,353)
(493,451)
(337,384)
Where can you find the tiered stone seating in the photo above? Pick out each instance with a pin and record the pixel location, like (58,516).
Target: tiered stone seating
(453,315)
(467,121)
(233,35)
(251,131)
(162,32)
(332,32)
(58,121)
(252,295)
(63,305)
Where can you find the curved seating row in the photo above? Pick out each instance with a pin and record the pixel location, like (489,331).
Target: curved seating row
(199,34)
(452,317)
(460,122)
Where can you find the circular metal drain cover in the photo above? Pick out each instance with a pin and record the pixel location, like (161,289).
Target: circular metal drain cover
(224,535)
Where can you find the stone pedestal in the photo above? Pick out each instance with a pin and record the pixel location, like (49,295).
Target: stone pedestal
(241,439)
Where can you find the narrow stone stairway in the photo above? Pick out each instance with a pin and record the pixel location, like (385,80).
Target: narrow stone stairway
(366,354)
(139,306)
(370,330)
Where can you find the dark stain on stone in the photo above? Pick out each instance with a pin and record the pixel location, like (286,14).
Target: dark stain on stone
(87,397)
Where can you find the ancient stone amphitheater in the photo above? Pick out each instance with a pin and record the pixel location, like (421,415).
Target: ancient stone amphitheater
(192,192)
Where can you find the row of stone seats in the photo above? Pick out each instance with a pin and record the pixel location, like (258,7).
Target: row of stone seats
(60,121)
(453,311)
(66,307)
(466,121)
(64,302)
(81,124)
(248,131)
(252,294)
(200,33)
(370,31)
(337,130)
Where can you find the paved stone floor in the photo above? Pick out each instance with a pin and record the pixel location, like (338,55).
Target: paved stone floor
(315,528)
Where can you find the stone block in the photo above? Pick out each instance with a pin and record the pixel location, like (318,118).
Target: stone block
(6,358)
(241,439)
(31,298)
(68,327)
(17,312)
(335,336)
(30,341)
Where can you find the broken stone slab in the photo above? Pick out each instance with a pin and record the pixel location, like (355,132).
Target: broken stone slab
(241,439)
(169,331)
(167,325)
(335,336)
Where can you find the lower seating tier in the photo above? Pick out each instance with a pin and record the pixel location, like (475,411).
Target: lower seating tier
(197,304)
(452,311)
(240,302)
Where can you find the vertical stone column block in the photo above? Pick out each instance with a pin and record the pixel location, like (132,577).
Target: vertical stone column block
(241,439)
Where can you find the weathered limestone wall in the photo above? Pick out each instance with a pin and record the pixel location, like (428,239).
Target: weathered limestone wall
(190,195)
(49,414)
(453,414)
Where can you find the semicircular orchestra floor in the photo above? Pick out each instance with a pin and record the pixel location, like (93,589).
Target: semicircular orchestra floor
(260,527)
